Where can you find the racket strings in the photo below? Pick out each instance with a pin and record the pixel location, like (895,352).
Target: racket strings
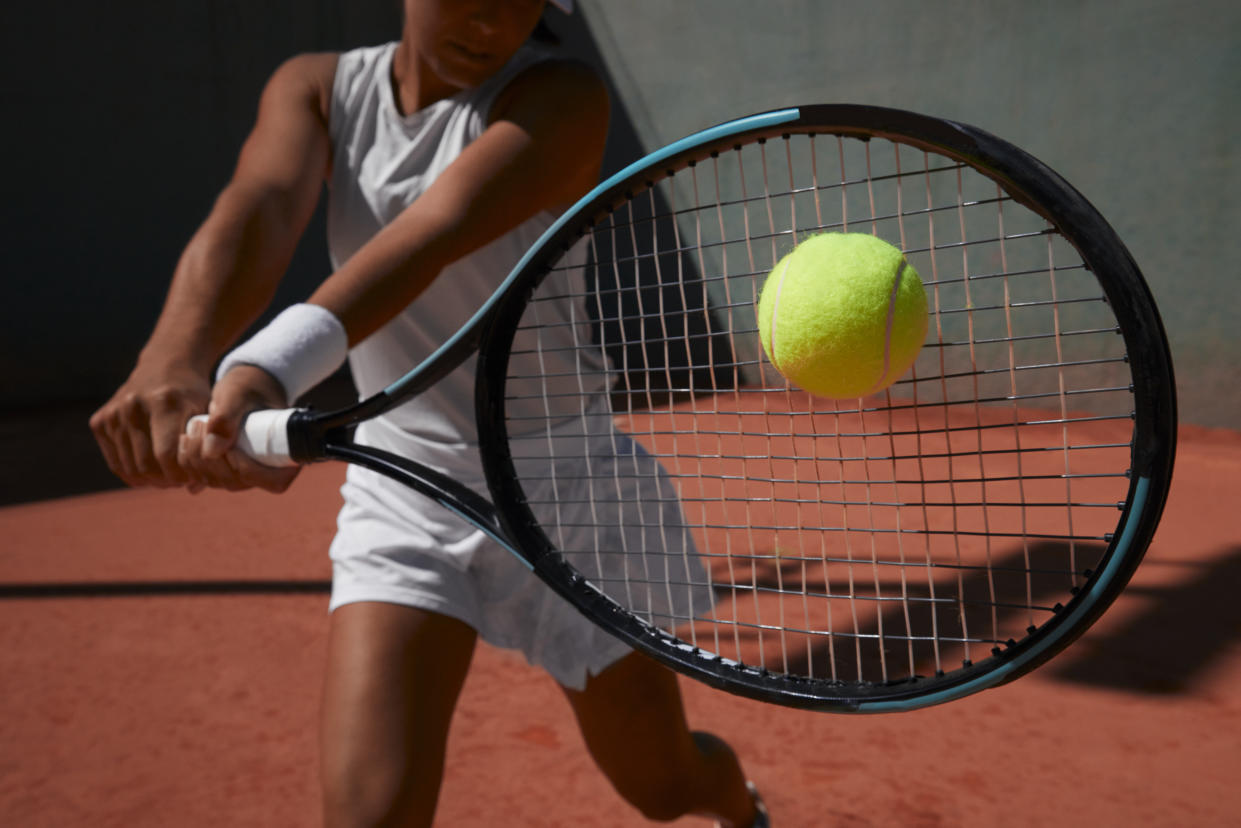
(910,533)
(790,238)
(708,338)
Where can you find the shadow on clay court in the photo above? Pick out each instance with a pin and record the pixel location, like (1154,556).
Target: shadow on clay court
(1178,631)
(898,617)
(1182,629)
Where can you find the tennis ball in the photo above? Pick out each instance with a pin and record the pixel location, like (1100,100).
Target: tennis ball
(842,315)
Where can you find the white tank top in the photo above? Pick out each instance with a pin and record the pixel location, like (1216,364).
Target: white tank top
(382,161)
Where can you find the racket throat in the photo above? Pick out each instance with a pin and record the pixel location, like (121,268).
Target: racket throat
(454,496)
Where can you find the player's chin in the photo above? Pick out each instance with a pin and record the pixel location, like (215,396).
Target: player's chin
(466,69)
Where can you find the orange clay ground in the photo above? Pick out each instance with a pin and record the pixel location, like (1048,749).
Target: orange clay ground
(157,706)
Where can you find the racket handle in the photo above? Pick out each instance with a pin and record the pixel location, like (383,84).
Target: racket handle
(264,436)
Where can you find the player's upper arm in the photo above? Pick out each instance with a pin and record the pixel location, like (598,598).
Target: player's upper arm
(286,157)
(564,106)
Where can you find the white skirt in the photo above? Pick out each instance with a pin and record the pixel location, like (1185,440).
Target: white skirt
(396,546)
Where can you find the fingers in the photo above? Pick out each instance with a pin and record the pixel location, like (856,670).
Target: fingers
(105,438)
(208,450)
(219,433)
(107,448)
(231,470)
(108,425)
(141,430)
(242,390)
(138,433)
(204,471)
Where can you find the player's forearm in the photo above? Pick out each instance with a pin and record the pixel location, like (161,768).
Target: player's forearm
(224,279)
(385,276)
(498,183)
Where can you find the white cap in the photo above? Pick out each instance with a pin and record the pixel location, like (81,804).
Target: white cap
(565,6)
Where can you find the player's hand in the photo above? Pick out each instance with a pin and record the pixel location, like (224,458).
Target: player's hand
(208,450)
(139,429)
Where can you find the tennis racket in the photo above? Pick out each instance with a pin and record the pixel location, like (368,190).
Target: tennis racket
(944,536)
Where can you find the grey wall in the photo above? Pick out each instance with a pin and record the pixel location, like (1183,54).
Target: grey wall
(1136,102)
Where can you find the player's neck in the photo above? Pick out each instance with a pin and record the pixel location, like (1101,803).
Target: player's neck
(415,85)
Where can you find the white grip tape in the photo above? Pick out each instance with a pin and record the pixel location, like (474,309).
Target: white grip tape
(264,436)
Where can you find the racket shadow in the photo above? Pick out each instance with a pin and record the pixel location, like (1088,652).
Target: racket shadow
(863,623)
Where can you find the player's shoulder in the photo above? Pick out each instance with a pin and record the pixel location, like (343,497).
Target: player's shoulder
(305,78)
(307,68)
(562,84)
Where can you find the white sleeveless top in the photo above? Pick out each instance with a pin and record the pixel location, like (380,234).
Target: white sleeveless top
(382,161)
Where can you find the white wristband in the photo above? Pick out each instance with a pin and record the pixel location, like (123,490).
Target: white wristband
(301,347)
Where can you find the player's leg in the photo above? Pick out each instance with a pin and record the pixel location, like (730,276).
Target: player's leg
(393,678)
(633,721)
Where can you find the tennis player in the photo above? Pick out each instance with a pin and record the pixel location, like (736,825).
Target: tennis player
(445,155)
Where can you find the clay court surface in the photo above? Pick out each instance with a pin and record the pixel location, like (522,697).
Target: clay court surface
(162,656)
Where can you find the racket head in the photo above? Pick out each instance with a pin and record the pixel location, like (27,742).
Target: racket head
(948,535)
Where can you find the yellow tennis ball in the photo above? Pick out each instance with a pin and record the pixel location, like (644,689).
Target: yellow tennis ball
(843,315)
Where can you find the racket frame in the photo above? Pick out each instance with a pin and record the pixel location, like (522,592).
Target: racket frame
(1031,183)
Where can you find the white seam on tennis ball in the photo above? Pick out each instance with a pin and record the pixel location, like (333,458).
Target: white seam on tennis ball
(887,336)
(775,307)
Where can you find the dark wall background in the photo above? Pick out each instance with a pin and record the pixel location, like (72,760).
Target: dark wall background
(124,121)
